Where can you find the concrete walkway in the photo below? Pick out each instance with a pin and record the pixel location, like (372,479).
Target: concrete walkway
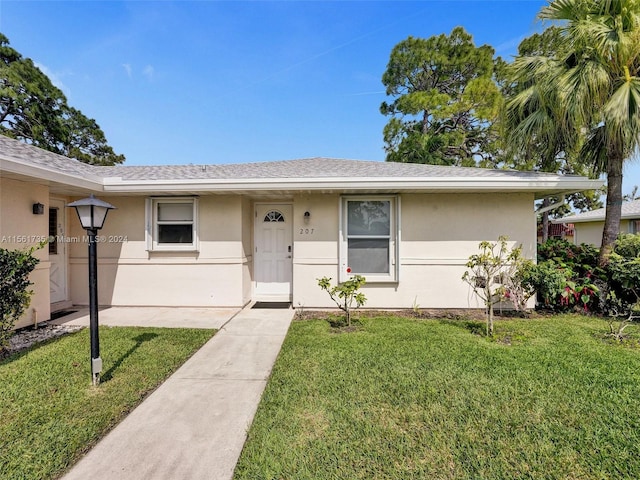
(168,317)
(195,424)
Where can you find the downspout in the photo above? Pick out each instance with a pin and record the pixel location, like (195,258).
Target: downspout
(553,206)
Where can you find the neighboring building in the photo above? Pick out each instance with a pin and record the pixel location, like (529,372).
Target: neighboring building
(227,235)
(589,225)
(557,231)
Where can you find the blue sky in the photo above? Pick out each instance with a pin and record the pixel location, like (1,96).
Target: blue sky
(175,82)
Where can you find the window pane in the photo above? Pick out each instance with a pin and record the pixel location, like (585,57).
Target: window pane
(368,217)
(53,231)
(182,212)
(370,255)
(273,216)
(175,234)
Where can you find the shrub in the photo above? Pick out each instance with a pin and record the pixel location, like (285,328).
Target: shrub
(567,275)
(549,280)
(495,274)
(623,299)
(15,267)
(345,294)
(628,245)
(582,259)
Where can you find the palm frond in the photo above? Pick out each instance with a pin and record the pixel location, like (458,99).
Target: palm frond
(622,115)
(581,87)
(567,10)
(594,150)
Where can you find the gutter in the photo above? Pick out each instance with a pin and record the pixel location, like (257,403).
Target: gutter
(450,184)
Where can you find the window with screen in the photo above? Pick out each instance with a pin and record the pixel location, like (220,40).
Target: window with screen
(173,224)
(369,237)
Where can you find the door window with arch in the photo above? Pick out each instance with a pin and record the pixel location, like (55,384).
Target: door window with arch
(273,216)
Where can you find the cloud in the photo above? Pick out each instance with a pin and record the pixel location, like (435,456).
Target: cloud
(127,68)
(148,72)
(510,47)
(55,78)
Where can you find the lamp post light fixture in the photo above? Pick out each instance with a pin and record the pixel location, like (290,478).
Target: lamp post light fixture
(92,213)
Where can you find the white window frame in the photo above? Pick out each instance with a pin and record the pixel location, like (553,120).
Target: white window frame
(393,275)
(634,226)
(151,231)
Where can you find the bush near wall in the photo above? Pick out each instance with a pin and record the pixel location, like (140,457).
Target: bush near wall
(15,296)
(567,276)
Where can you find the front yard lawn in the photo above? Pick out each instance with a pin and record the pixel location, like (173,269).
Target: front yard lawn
(49,411)
(402,398)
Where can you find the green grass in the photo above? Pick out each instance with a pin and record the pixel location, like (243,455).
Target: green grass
(49,411)
(401,398)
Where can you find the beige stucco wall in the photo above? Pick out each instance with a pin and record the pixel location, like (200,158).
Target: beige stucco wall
(591,232)
(438,234)
(128,274)
(21,229)
(247,250)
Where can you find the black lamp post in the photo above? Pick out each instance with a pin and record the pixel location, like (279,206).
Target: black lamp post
(92,213)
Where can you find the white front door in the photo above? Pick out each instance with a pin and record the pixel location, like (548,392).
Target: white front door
(273,264)
(57,252)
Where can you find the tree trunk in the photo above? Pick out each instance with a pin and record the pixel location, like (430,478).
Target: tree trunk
(545,221)
(490,321)
(613,207)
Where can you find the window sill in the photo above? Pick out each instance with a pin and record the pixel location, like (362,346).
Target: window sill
(371,278)
(175,249)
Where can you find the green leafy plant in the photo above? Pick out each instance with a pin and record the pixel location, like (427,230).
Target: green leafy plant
(493,276)
(623,299)
(345,295)
(15,296)
(548,279)
(568,277)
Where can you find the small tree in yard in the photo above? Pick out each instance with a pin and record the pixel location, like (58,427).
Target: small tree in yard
(494,275)
(15,267)
(345,294)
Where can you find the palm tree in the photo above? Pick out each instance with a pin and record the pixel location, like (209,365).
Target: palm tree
(532,113)
(595,80)
(633,195)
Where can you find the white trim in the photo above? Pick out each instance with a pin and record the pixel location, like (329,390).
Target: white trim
(151,230)
(256,294)
(398,238)
(394,239)
(41,172)
(62,218)
(555,184)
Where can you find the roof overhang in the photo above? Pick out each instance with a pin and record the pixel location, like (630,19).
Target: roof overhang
(539,187)
(64,180)
(59,182)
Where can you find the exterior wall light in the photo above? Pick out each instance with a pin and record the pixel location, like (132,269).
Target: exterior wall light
(307,217)
(38,209)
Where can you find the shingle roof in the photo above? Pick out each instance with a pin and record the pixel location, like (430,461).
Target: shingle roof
(629,210)
(287,175)
(305,168)
(302,168)
(16,150)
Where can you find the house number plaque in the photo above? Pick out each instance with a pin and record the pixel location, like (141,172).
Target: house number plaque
(306,231)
